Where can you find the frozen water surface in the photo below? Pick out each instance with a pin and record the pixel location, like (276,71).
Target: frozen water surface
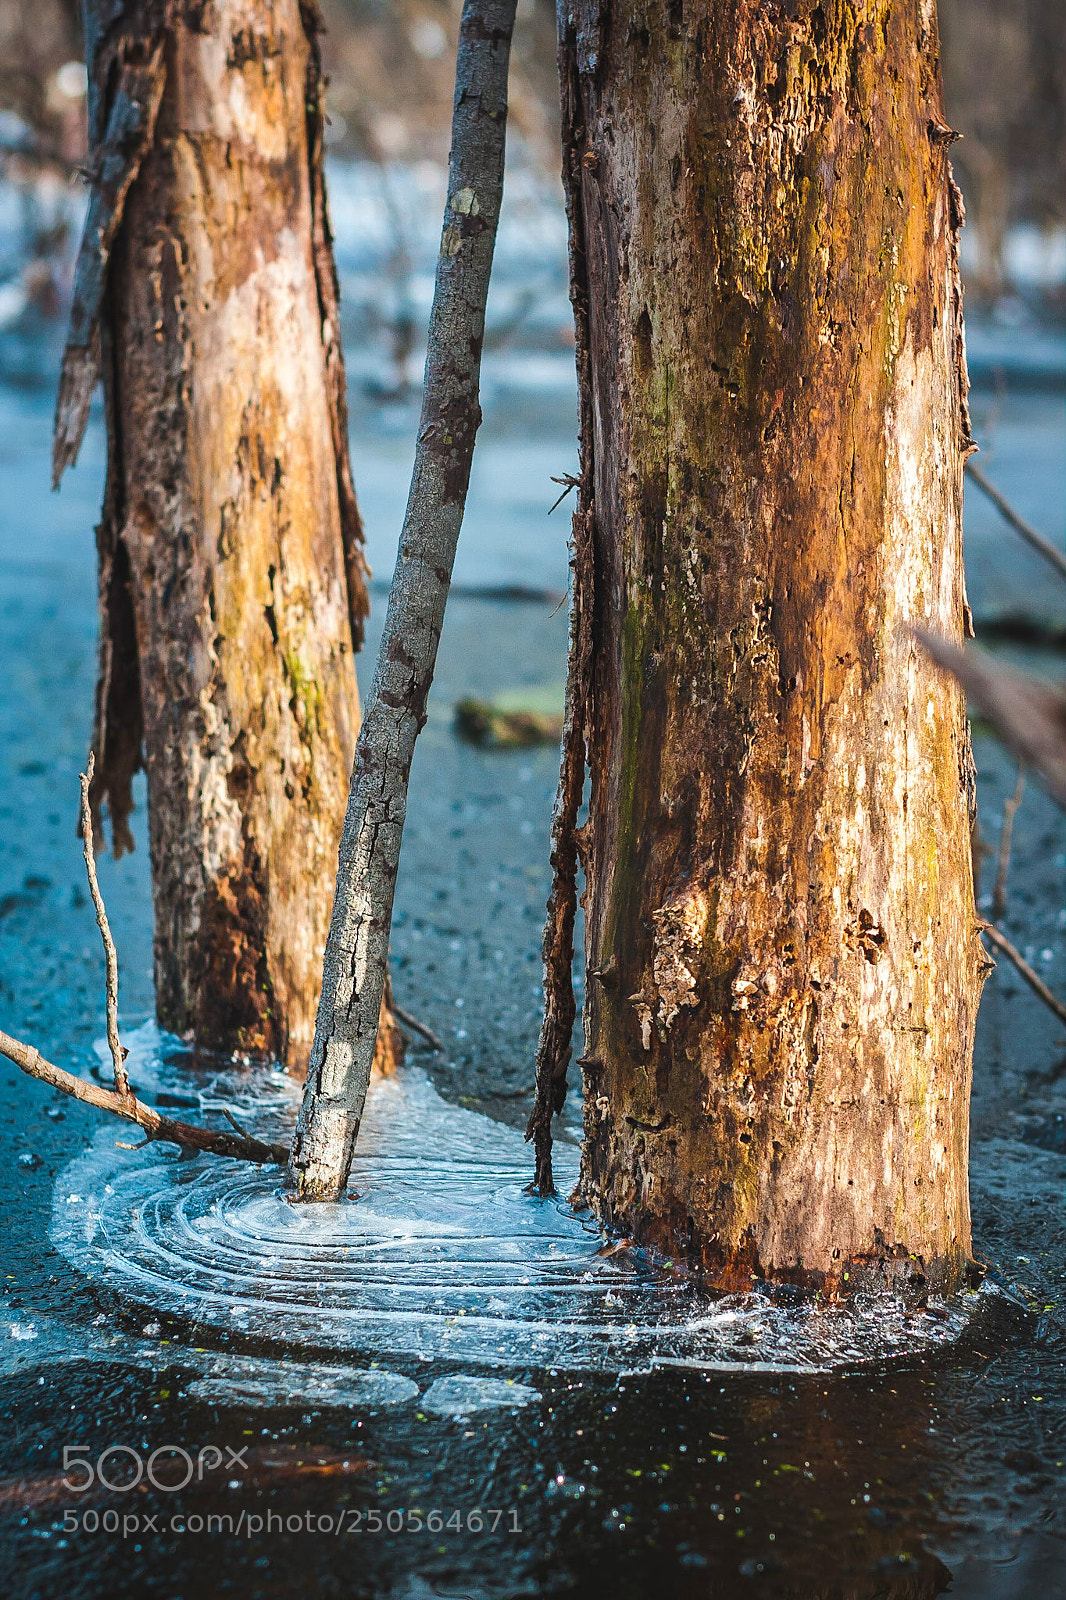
(438,1253)
(692,1460)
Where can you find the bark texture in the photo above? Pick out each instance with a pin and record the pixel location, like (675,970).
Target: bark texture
(232,584)
(783,952)
(357,949)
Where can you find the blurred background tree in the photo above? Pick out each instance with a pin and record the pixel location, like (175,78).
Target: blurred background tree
(390,68)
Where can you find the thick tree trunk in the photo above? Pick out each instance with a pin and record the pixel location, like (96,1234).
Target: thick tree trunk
(784,964)
(232,585)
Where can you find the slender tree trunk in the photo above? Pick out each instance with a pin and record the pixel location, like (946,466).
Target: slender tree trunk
(783,956)
(232,584)
(357,949)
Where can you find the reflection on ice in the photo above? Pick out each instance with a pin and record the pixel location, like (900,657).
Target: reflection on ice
(441,1255)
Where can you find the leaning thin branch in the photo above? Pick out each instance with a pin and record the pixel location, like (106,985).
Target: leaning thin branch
(1035,540)
(353,975)
(127,1106)
(1035,982)
(118,1055)
(999,892)
(413,1023)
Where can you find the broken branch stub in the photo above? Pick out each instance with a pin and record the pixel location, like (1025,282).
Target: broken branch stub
(357,948)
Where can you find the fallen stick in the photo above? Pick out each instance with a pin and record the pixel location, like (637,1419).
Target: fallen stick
(353,974)
(1035,982)
(1035,540)
(127,1106)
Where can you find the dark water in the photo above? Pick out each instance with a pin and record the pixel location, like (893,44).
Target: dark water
(941,1471)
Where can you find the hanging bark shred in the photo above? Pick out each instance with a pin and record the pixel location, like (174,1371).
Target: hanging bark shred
(124,51)
(557,949)
(118,151)
(554,1044)
(353,539)
(357,947)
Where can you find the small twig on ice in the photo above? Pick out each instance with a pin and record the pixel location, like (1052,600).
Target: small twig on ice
(118,1055)
(1035,982)
(417,1027)
(999,892)
(1036,541)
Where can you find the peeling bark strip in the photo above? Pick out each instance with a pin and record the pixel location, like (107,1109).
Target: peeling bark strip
(117,157)
(231,580)
(779,887)
(357,949)
(357,572)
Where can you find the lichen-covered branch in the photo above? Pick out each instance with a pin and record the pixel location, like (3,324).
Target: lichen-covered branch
(357,947)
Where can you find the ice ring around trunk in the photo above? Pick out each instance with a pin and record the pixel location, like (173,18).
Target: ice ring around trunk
(441,1255)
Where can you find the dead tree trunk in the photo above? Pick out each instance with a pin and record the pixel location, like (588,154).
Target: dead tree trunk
(232,582)
(783,956)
